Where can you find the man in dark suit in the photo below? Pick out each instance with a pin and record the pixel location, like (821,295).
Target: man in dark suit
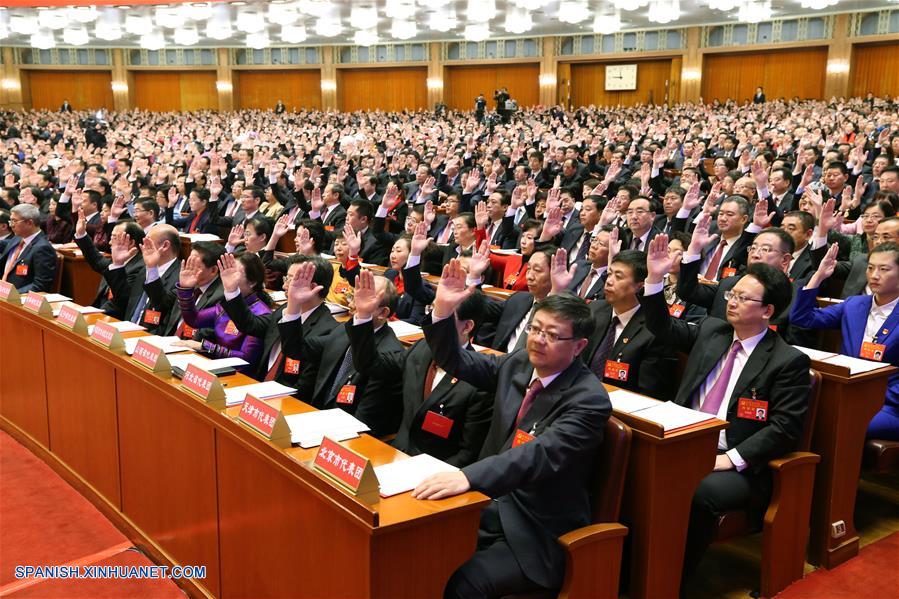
(442,416)
(589,278)
(66,107)
(276,364)
(726,252)
(640,229)
(327,208)
(780,192)
(800,225)
(343,379)
(736,368)
(151,297)
(572,229)
(364,244)
(208,291)
(27,260)
(548,417)
(500,226)
(622,351)
(126,237)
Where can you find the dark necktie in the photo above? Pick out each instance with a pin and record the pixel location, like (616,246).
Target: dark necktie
(598,365)
(273,371)
(534,388)
(342,373)
(588,283)
(138,310)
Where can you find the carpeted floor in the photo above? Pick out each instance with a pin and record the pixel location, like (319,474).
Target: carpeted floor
(45,522)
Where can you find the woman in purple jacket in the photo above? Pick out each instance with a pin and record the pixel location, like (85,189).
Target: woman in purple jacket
(244,272)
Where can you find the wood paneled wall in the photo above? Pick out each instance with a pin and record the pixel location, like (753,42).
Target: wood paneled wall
(175,90)
(463,84)
(83,89)
(656,80)
(382,89)
(875,68)
(782,73)
(298,89)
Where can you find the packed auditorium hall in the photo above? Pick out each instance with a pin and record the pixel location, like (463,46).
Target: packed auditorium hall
(411,299)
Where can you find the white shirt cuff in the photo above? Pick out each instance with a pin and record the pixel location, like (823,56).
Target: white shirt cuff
(230,248)
(82,236)
(115,266)
(230,295)
(510,211)
(285,317)
(688,258)
(413,261)
(381,212)
(313,214)
(682,213)
(818,242)
(735,457)
(753,228)
(472,281)
(763,193)
(653,288)
(357,320)
(152,274)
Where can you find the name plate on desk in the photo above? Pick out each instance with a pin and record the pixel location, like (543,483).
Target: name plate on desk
(204,385)
(108,336)
(37,303)
(71,318)
(265,420)
(151,357)
(9,293)
(347,467)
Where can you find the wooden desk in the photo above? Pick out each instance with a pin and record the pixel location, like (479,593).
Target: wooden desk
(191,486)
(79,281)
(845,408)
(287,242)
(662,475)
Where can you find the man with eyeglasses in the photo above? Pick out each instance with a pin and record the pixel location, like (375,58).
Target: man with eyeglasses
(27,260)
(640,229)
(736,365)
(548,417)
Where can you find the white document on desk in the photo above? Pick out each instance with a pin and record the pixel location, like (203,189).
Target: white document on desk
(50,297)
(336,308)
(398,477)
(278,296)
(815,354)
(627,402)
(402,328)
(672,416)
(79,309)
(307,429)
(201,237)
(122,326)
(166,344)
(855,365)
(182,360)
(236,395)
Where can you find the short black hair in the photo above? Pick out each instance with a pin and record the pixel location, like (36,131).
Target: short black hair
(637,262)
(569,307)
(681,236)
(256,192)
(202,193)
(740,201)
(887,247)
(778,289)
(262,226)
(363,208)
(316,232)
(472,308)
(209,252)
(806,218)
(150,205)
(134,231)
(324,272)
(837,165)
(787,244)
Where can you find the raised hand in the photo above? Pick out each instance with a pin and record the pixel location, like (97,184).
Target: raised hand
(317,203)
(760,215)
(117,208)
(692,198)
(420,239)
(427,188)
(151,252)
(430,215)
(826,268)
(353,240)
(80,224)
(473,180)
(614,245)
(236,235)
(172,197)
(518,197)
(559,273)
(554,198)
(451,291)
(609,212)
(215,187)
(282,226)
(759,174)
(479,261)
(120,252)
(481,216)
(302,289)
(807,176)
(553,224)
(701,237)
(390,196)
(658,261)
(303,242)
(366,299)
(827,218)
(492,183)
(189,276)
(229,273)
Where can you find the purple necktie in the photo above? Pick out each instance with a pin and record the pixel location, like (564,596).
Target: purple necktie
(715,395)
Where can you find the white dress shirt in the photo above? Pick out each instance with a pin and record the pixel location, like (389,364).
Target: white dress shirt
(876,317)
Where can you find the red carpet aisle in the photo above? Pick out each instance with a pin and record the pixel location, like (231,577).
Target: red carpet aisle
(44,522)
(874,573)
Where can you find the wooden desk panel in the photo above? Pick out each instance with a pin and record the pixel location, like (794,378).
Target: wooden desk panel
(81,408)
(168,471)
(79,281)
(845,408)
(23,391)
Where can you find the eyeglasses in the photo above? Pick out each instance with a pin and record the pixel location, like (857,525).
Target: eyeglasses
(740,298)
(763,250)
(547,336)
(872,216)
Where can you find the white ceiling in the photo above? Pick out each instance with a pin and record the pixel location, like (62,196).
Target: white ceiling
(286,22)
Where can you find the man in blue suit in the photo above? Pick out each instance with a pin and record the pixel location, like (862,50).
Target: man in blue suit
(28,261)
(868,323)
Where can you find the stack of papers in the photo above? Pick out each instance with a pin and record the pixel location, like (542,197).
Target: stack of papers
(50,297)
(628,403)
(336,308)
(166,344)
(671,416)
(122,326)
(266,390)
(405,475)
(201,236)
(182,360)
(278,296)
(307,429)
(855,365)
(404,329)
